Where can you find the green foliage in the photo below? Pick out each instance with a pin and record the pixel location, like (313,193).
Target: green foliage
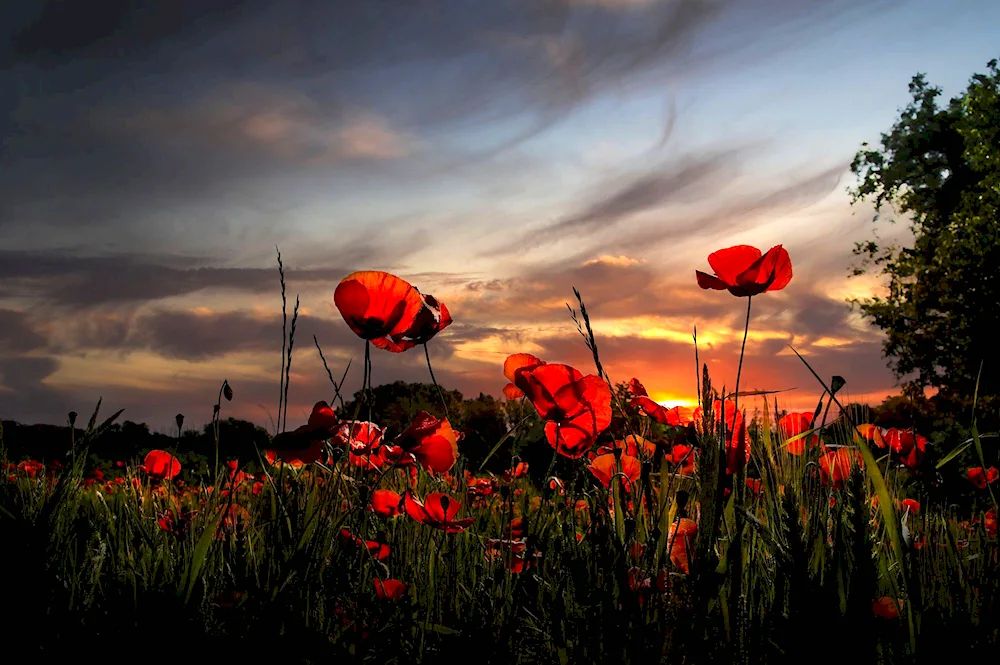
(940,166)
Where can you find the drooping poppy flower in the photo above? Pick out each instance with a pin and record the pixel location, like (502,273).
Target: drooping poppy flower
(432,318)
(386,503)
(990,522)
(304,445)
(438,510)
(681,535)
(791,425)
(887,607)
(389,589)
(161,465)
(835,466)
(744,272)
(604,468)
(981,477)
(377,304)
(432,441)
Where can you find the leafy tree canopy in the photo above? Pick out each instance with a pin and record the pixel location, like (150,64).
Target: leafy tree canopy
(939,165)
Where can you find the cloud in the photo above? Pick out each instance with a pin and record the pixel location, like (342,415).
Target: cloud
(680,183)
(16,334)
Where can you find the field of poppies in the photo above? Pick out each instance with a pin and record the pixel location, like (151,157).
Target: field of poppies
(732,532)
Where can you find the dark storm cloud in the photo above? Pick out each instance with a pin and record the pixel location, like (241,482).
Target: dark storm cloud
(28,399)
(122,110)
(16,333)
(64,279)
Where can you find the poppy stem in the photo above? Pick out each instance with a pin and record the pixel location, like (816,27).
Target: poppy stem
(739,368)
(444,403)
(366,381)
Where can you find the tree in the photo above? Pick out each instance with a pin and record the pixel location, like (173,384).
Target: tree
(941,167)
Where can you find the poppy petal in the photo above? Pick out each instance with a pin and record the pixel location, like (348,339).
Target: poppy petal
(728,263)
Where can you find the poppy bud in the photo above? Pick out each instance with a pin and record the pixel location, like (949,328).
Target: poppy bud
(72,418)
(227,392)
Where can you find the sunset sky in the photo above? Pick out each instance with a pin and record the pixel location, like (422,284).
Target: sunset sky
(494,154)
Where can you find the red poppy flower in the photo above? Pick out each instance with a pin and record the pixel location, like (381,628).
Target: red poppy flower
(577,407)
(555,390)
(743,271)
(872,434)
(981,477)
(372,460)
(573,437)
(304,445)
(835,466)
(911,505)
(376,304)
(887,608)
(516,528)
(636,388)
(631,445)
(438,510)
(677,416)
(906,445)
(360,436)
(520,469)
(31,468)
(793,424)
(389,589)
(604,467)
(386,503)
(681,536)
(161,465)
(514,365)
(756,486)
(432,441)
(685,457)
(432,318)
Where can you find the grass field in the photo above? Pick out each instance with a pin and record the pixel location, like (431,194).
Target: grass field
(698,547)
